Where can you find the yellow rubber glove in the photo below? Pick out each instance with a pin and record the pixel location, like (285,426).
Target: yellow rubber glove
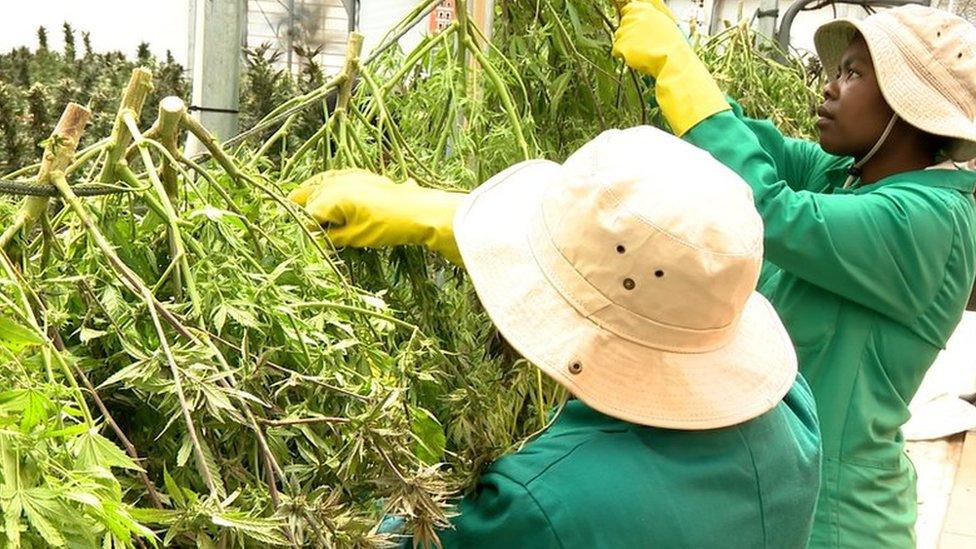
(649,41)
(365,210)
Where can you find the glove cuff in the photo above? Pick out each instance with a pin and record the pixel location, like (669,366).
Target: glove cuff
(687,93)
(438,224)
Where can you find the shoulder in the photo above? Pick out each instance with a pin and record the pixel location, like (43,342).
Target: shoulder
(557,450)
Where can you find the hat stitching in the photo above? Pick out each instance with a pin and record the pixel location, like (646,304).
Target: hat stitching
(954,90)
(567,295)
(677,238)
(767,403)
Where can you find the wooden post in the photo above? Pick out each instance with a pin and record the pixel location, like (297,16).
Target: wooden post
(58,153)
(217,42)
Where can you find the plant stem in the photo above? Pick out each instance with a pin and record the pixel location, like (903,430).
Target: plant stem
(280,134)
(171,111)
(133,98)
(506,97)
(184,406)
(172,219)
(303,421)
(58,152)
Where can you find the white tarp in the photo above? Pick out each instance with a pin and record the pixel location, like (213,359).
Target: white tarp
(943,405)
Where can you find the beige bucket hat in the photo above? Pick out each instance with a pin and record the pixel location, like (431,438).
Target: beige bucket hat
(632,283)
(925,61)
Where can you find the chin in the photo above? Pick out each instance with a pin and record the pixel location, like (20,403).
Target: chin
(831,147)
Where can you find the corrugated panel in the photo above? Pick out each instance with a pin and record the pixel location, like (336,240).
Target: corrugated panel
(317,23)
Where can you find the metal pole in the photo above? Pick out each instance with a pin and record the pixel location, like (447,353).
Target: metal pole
(290,33)
(766,18)
(783,35)
(218,37)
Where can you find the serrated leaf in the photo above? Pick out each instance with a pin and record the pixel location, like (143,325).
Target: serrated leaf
(40,508)
(243,317)
(259,529)
(208,455)
(37,409)
(133,371)
(429,438)
(71,431)
(86,498)
(15,337)
(173,489)
(111,301)
(220,318)
(93,450)
(13,401)
(183,455)
(163,517)
(88,334)
(12,509)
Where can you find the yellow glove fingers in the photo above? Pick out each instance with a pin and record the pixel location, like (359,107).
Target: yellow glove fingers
(659,4)
(326,206)
(301,194)
(643,37)
(305,192)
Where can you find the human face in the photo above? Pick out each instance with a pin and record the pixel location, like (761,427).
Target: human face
(854,113)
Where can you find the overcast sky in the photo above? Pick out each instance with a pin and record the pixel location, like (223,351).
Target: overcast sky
(113,24)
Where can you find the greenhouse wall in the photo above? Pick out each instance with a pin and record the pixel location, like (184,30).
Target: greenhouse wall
(315,24)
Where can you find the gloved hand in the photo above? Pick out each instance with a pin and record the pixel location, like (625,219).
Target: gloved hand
(365,210)
(649,41)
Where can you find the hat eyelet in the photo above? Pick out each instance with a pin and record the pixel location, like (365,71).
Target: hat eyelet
(659,273)
(576,368)
(629,284)
(621,249)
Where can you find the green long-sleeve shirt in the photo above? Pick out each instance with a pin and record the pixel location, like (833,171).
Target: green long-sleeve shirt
(591,481)
(870,283)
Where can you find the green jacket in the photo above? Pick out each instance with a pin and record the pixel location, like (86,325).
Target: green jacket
(870,282)
(591,481)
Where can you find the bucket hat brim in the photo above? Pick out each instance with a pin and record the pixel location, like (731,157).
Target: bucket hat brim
(739,381)
(900,77)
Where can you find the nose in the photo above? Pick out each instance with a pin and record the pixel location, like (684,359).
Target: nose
(831,89)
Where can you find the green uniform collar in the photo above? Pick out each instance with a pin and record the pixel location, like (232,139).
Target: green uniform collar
(960,180)
(577,415)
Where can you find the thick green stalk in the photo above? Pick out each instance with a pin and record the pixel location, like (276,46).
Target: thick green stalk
(384,118)
(306,146)
(172,218)
(171,111)
(133,98)
(507,103)
(58,153)
(282,133)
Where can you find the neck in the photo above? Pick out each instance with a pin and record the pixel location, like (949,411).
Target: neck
(900,153)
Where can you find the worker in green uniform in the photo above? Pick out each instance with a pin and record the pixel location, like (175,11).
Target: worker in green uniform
(870,237)
(633,286)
